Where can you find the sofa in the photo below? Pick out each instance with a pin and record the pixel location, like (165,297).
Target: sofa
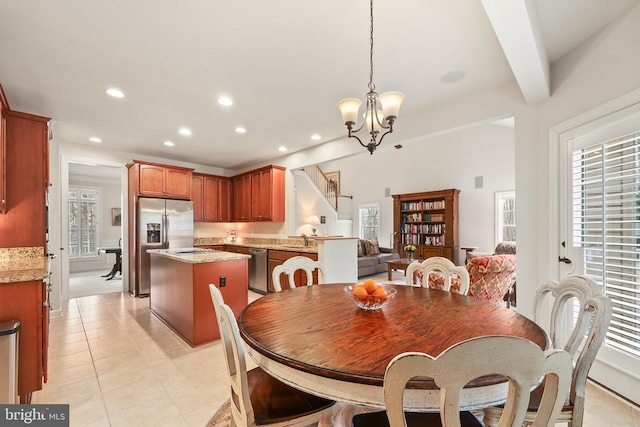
(372,259)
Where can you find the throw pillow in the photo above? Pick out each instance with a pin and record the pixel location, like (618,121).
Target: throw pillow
(372,246)
(360,248)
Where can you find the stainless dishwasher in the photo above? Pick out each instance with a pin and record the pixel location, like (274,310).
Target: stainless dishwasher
(258,270)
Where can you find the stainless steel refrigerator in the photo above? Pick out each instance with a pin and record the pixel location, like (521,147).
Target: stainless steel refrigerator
(162,224)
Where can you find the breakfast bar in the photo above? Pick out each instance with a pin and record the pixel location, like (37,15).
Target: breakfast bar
(179,292)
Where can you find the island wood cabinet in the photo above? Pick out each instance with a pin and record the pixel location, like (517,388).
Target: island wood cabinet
(180,294)
(428,220)
(259,195)
(3,158)
(276,257)
(211,198)
(157,180)
(28,306)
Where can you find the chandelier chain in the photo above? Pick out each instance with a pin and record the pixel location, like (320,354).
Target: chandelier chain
(372,86)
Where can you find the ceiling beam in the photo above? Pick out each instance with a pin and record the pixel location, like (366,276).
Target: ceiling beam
(516,25)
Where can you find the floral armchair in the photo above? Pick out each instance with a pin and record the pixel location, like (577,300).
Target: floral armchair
(491,276)
(502,248)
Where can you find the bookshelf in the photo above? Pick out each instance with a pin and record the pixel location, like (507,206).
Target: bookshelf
(428,220)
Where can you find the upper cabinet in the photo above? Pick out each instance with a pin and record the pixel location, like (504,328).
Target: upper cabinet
(164,181)
(242,197)
(211,198)
(267,194)
(259,195)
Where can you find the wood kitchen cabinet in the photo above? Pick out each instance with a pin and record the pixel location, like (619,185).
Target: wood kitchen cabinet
(259,195)
(27,305)
(3,158)
(267,194)
(242,197)
(277,257)
(164,181)
(211,198)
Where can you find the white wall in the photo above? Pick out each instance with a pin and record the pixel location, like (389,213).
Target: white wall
(450,160)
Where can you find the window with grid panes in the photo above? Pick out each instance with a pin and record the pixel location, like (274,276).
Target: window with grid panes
(370,221)
(83,222)
(606,225)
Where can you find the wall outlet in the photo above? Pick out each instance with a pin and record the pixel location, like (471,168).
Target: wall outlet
(223,281)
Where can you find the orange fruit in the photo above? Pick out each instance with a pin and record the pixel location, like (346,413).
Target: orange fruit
(358,285)
(380,293)
(360,293)
(370,285)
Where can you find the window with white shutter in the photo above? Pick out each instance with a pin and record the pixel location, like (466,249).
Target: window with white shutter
(606,225)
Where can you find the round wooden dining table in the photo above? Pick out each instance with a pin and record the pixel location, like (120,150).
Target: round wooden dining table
(316,339)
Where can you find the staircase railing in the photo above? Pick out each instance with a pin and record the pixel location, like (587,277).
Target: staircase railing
(329,189)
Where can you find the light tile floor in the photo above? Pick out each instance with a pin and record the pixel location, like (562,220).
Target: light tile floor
(116,364)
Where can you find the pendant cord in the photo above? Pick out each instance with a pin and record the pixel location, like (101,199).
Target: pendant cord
(372,86)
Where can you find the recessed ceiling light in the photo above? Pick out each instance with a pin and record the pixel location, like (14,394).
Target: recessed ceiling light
(116,93)
(240,129)
(282,148)
(225,100)
(185,131)
(169,143)
(316,137)
(95,139)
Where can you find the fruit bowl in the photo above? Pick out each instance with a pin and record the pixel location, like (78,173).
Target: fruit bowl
(371,301)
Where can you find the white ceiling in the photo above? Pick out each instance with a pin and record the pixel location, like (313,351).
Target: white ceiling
(285,63)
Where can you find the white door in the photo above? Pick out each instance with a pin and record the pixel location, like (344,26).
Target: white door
(600,204)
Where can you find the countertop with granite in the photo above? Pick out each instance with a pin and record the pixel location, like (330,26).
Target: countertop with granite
(295,244)
(197,256)
(22,264)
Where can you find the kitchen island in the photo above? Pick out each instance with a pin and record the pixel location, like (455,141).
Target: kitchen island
(179,292)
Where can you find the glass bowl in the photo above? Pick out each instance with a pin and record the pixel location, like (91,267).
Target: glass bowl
(370,302)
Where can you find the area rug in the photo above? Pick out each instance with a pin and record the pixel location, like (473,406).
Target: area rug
(343,414)
(222,417)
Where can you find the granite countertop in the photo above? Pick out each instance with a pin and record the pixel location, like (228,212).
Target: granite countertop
(22,264)
(200,257)
(291,244)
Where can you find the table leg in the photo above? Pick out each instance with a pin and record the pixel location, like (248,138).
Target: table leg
(389,270)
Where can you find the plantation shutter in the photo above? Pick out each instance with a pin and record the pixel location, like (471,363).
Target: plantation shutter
(606,224)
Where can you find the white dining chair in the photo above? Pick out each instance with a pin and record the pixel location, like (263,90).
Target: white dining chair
(289,268)
(443,270)
(580,298)
(257,397)
(520,360)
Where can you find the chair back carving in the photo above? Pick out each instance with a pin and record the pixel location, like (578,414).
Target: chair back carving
(491,276)
(290,266)
(520,360)
(582,296)
(441,274)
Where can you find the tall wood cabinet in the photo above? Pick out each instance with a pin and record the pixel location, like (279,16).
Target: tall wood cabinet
(428,220)
(24,179)
(211,197)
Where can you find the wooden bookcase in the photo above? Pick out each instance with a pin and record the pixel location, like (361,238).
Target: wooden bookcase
(428,220)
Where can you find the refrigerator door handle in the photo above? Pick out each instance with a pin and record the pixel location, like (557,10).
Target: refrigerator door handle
(165,231)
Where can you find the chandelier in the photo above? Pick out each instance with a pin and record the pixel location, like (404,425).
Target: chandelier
(382,110)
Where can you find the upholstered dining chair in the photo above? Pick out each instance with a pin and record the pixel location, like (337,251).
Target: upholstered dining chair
(520,360)
(256,397)
(441,273)
(580,298)
(491,276)
(290,266)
